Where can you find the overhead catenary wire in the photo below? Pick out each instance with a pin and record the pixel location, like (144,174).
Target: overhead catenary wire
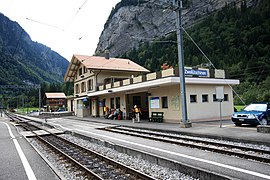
(64,28)
(43,23)
(71,20)
(210,62)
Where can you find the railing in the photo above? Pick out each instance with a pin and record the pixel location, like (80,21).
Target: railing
(172,72)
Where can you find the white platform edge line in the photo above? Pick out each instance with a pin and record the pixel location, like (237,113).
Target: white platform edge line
(29,171)
(186,156)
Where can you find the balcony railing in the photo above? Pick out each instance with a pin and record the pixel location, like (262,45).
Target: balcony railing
(172,72)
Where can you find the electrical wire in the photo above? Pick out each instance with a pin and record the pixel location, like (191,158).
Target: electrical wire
(66,26)
(46,24)
(209,61)
(75,15)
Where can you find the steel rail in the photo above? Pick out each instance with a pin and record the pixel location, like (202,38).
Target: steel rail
(111,162)
(52,139)
(173,140)
(198,140)
(81,167)
(91,174)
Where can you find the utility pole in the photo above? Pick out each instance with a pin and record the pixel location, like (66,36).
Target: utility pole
(23,102)
(39,98)
(184,121)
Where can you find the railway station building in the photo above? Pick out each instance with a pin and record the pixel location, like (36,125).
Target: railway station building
(116,83)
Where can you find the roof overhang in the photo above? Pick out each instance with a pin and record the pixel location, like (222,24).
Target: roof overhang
(72,68)
(55,96)
(143,86)
(100,63)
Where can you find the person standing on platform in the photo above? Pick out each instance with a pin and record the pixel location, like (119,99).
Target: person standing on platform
(137,113)
(106,112)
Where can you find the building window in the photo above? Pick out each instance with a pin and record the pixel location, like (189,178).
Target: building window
(77,88)
(90,85)
(215,98)
(117,103)
(154,102)
(83,87)
(164,102)
(112,103)
(205,98)
(80,71)
(226,97)
(193,98)
(84,70)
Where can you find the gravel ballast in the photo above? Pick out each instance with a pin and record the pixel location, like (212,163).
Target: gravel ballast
(139,164)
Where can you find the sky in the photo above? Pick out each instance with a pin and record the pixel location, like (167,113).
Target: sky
(67,26)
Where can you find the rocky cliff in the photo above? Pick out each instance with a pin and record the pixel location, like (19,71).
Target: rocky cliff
(133,22)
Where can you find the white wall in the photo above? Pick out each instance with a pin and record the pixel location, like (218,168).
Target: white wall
(196,111)
(81,111)
(173,112)
(210,109)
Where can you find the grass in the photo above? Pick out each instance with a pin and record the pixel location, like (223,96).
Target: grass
(25,110)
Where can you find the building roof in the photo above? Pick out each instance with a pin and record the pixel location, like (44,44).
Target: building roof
(55,95)
(101,63)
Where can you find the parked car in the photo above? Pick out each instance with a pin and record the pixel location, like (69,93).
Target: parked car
(61,110)
(255,113)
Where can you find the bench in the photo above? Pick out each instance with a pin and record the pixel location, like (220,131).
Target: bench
(156,117)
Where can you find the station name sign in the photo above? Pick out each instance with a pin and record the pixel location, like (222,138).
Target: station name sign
(196,72)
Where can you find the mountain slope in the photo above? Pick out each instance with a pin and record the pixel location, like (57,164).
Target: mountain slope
(25,61)
(236,39)
(132,22)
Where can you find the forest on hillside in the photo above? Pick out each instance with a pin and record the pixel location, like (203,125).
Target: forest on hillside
(29,97)
(28,63)
(25,61)
(236,39)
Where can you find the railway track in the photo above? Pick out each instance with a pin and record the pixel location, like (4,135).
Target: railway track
(261,155)
(24,122)
(101,166)
(86,163)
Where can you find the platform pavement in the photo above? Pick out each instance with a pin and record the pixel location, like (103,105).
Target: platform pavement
(180,155)
(18,159)
(207,128)
(228,130)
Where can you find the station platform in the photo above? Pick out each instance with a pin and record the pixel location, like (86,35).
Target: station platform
(223,129)
(230,166)
(214,128)
(18,158)
(237,168)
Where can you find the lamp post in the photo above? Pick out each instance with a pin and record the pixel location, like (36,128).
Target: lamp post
(184,121)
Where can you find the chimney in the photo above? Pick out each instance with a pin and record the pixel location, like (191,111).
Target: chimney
(107,54)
